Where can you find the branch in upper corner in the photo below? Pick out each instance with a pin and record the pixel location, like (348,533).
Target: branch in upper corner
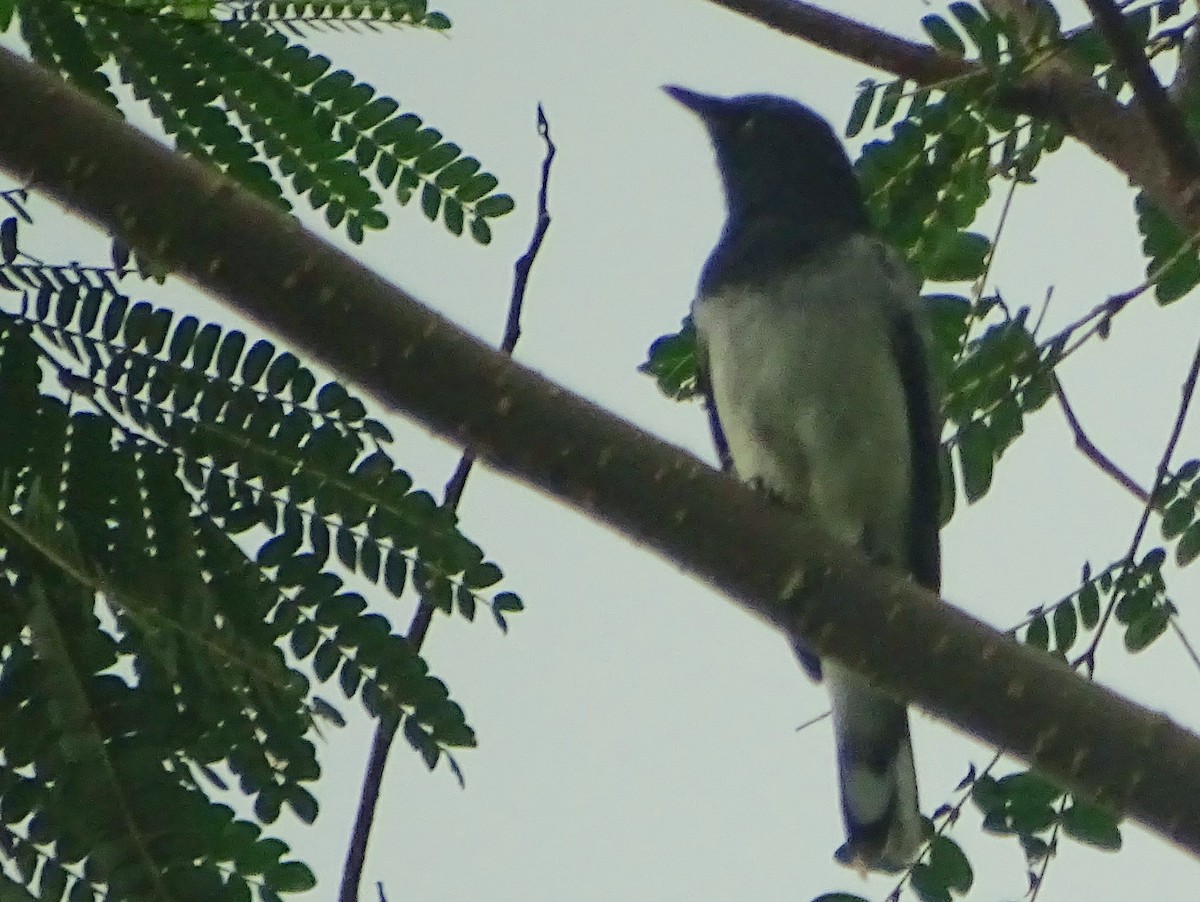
(1164,117)
(385,730)
(854,40)
(1072,100)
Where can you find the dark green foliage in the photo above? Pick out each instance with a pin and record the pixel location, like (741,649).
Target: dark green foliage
(1140,601)
(1028,806)
(1136,595)
(995,380)
(1177,497)
(1172,263)
(671,360)
(181,507)
(261,107)
(945,872)
(335,13)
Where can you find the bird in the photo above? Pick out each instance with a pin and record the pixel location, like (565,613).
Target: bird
(813,357)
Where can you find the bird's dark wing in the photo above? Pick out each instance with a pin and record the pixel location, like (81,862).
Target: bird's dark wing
(924,425)
(710,407)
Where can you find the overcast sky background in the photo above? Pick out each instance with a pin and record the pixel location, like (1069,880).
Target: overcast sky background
(637,731)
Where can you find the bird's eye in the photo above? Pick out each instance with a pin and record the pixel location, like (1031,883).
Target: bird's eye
(748,127)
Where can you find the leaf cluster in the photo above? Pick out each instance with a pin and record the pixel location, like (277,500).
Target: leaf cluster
(182,509)
(240,95)
(1028,806)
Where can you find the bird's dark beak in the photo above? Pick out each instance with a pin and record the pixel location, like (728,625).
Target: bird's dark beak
(705,106)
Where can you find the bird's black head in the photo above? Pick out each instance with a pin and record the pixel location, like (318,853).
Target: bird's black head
(782,162)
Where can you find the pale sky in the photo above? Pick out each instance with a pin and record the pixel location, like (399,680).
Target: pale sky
(637,732)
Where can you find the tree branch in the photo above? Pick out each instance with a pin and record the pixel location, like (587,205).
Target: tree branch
(774,563)
(1187,392)
(1092,452)
(1052,91)
(854,40)
(1166,123)
(385,730)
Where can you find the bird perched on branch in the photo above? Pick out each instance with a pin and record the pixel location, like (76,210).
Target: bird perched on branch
(813,357)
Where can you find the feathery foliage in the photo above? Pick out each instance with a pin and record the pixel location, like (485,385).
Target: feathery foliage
(233,89)
(182,510)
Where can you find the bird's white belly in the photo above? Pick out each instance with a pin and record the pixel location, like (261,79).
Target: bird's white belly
(811,404)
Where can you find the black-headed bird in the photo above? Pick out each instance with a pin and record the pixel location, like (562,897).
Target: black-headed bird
(813,355)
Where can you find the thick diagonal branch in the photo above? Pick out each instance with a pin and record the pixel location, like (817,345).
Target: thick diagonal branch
(775,564)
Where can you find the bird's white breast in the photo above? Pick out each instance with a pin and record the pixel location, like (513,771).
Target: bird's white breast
(808,390)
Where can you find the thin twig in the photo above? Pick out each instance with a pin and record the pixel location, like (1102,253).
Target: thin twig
(1187,392)
(812,721)
(1093,453)
(1051,850)
(1183,639)
(385,731)
(1163,117)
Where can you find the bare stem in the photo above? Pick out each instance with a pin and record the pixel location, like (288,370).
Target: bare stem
(385,731)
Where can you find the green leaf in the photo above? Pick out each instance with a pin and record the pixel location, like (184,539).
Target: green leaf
(482,575)
(1066,627)
(1143,630)
(481,231)
(452,215)
(943,35)
(976,460)
(437,157)
(421,741)
(1092,825)
(958,257)
(457,173)
(1188,547)
(928,884)
(863,100)
(395,572)
(671,360)
(508,602)
(946,858)
(1037,633)
(290,877)
(326,660)
(1172,261)
(981,29)
(495,205)
(1029,788)
(431,201)
(8,240)
(1035,847)
(302,802)
(1089,605)
(477,187)
(889,102)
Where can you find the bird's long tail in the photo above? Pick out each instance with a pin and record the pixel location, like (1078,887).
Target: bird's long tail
(875,768)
